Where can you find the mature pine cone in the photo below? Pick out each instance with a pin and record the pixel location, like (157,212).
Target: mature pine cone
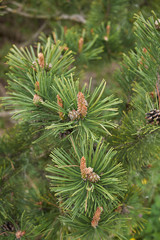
(7,227)
(153,116)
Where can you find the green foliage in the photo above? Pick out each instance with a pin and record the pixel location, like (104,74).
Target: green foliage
(67,182)
(99,110)
(26,71)
(110,226)
(51,83)
(152,227)
(83,52)
(47,97)
(139,76)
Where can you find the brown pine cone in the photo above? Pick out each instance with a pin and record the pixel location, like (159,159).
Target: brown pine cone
(153,116)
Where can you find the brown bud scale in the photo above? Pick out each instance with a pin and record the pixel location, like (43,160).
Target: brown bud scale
(60,103)
(82,104)
(41,60)
(96,217)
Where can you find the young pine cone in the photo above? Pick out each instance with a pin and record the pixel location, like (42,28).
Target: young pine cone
(41,60)
(153,116)
(83,167)
(37,99)
(82,104)
(84,170)
(96,217)
(60,103)
(73,115)
(93,177)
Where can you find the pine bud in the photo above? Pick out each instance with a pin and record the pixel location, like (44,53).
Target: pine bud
(37,99)
(80,44)
(73,115)
(82,104)
(60,103)
(93,177)
(20,234)
(37,86)
(83,167)
(41,60)
(108,27)
(96,217)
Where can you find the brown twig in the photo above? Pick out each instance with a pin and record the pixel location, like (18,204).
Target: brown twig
(25,14)
(74,17)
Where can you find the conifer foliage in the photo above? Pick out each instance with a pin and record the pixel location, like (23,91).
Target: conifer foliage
(91,191)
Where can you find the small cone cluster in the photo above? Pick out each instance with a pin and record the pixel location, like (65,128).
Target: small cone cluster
(96,217)
(60,103)
(73,115)
(37,99)
(41,60)
(20,234)
(93,177)
(82,108)
(87,173)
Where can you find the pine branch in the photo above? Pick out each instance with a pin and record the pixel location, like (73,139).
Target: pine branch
(69,182)
(74,17)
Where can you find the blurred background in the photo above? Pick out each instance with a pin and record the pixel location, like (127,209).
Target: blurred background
(108,25)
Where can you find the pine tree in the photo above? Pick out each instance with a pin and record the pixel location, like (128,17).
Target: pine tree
(69,137)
